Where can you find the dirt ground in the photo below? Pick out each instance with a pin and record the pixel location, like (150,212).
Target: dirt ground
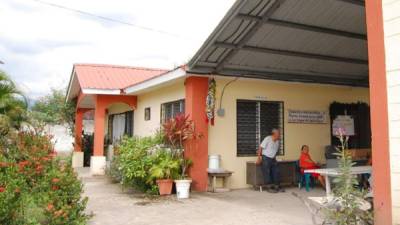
(111,205)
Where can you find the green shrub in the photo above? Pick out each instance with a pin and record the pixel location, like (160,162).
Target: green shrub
(35,186)
(114,170)
(165,166)
(135,158)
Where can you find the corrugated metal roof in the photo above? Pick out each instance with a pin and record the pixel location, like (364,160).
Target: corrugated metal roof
(276,38)
(111,77)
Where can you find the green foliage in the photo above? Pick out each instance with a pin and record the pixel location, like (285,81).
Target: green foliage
(114,171)
(139,161)
(13,105)
(348,196)
(135,160)
(35,186)
(165,166)
(53,109)
(177,132)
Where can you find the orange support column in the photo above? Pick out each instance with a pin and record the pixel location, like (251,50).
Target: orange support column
(99,120)
(379,114)
(195,106)
(98,160)
(77,155)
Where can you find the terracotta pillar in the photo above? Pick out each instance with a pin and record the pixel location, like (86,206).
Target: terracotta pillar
(99,118)
(195,106)
(379,114)
(77,155)
(78,130)
(98,160)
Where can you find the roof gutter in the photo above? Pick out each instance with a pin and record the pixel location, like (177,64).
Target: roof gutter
(97,91)
(153,82)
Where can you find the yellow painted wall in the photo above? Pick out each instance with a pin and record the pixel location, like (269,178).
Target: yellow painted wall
(154,99)
(222,136)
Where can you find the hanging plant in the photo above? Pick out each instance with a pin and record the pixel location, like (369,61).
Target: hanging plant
(210,101)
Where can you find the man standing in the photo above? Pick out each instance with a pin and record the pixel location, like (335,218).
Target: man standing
(269,147)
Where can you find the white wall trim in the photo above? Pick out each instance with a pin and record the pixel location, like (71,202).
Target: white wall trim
(71,81)
(101,91)
(169,76)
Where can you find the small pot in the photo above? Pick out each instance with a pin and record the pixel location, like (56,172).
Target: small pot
(183,188)
(165,186)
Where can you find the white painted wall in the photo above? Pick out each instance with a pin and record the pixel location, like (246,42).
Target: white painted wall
(391,17)
(62,139)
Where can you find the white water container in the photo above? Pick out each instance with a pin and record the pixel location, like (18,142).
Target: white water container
(213,162)
(182,188)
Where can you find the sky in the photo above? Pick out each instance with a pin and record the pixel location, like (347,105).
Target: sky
(39,43)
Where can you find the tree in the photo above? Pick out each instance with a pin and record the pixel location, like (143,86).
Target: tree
(53,109)
(13,104)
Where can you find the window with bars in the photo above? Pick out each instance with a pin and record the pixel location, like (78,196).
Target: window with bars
(255,120)
(171,109)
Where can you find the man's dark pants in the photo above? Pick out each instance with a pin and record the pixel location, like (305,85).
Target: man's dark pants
(270,171)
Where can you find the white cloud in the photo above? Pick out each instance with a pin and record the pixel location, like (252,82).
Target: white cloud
(39,43)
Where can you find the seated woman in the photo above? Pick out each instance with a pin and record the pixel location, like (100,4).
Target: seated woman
(306,162)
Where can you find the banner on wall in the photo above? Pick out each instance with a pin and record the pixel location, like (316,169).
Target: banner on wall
(307,116)
(344,124)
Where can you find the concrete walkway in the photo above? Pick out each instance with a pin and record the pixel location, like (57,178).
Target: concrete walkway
(113,206)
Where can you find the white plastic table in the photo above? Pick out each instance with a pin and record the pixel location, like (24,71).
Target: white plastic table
(333,172)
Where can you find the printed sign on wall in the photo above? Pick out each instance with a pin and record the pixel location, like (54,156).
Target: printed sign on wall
(344,123)
(306,116)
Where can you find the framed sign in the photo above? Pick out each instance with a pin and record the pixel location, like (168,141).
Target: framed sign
(343,123)
(307,116)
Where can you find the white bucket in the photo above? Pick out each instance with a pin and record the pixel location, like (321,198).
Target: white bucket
(213,162)
(182,188)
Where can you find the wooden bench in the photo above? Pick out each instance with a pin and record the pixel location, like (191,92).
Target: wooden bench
(212,180)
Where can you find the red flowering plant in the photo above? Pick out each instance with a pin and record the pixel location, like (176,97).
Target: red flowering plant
(177,131)
(35,186)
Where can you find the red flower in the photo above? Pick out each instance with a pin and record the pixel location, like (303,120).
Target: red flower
(22,165)
(50,207)
(54,188)
(55,180)
(2,189)
(39,168)
(45,158)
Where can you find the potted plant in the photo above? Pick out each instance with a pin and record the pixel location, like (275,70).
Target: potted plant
(164,170)
(177,131)
(183,182)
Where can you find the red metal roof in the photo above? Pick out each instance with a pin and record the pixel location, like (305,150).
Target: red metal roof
(100,76)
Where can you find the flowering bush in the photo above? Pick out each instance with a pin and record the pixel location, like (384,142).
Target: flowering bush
(35,186)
